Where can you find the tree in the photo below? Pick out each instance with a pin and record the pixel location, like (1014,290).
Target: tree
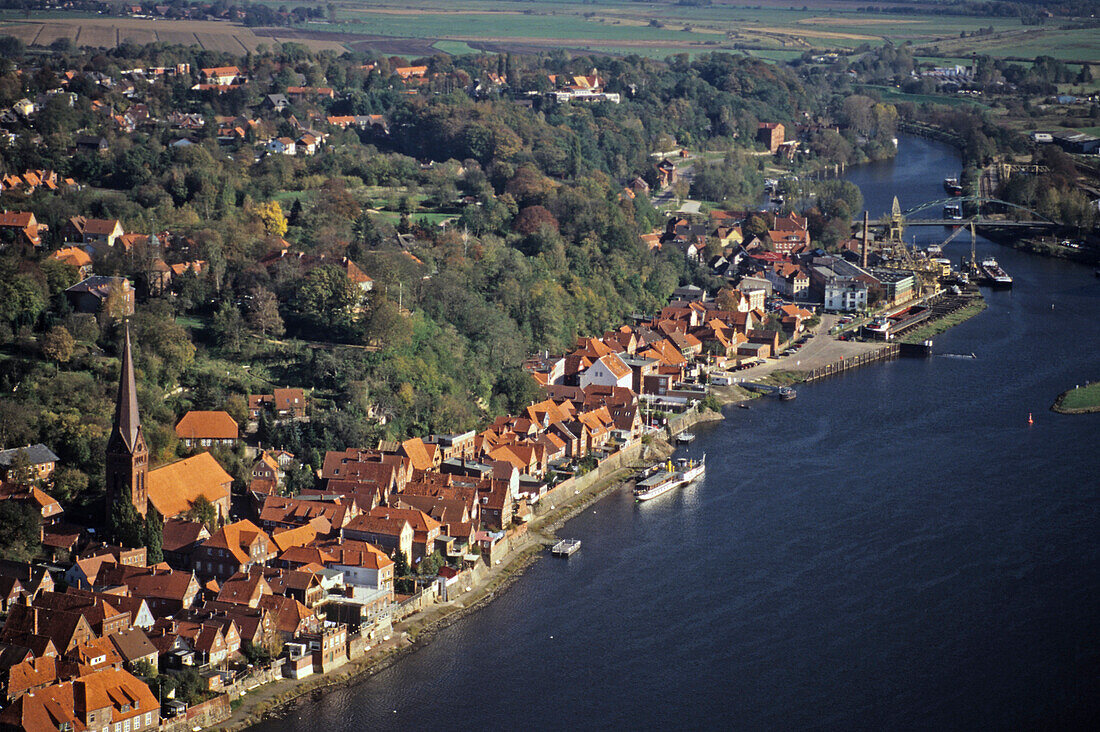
(20,470)
(203,511)
(20,528)
(69,484)
(429,566)
(57,344)
(325,299)
(263,313)
(402,584)
(125,523)
(153,536)
(21,300)
(271,216)
(385,324)
(227,326)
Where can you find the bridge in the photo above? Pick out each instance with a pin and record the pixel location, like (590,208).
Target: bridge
(897,219)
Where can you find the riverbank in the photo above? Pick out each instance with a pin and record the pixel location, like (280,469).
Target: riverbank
(1046,247)
(279,698)
(1079,400)
(935,327)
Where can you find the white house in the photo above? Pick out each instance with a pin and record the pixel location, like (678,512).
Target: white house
(845,295)
(608,371)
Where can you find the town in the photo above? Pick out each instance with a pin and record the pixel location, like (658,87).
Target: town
(184,525)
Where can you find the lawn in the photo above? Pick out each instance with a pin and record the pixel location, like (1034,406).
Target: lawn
(1080,399)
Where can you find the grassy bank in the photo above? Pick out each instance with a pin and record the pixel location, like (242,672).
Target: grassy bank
(1079,400)
(938,326)
(784,378)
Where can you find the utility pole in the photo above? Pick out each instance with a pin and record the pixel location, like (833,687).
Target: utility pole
(863,248)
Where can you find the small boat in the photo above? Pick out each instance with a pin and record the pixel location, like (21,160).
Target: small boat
(951,185)
(685,438)
(742,405)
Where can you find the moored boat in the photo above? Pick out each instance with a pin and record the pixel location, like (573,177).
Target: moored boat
(657,484)
(994,274)
(951,185)
(691,470)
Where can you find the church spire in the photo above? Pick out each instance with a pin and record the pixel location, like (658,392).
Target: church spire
(127,453)
(127,421)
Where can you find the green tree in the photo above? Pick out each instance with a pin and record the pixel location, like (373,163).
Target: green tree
(21,300)
(20,529)
(402,584)
(226,327)
(203,511)
(429,566)
(325,299)
(69,484)
(153,536)
(125,523)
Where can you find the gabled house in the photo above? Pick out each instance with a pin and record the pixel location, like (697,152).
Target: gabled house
(74,257)
(22,227)
(608,370)
(207,429)
(231,549)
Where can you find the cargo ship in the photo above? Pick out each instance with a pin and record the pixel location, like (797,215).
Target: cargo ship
(951,185)
(994,274)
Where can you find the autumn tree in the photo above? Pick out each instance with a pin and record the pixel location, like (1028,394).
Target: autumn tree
(57,344)
(271,216)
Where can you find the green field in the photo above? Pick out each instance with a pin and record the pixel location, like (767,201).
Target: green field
(767,29)
(1084,398)
(890,94)
(774,31)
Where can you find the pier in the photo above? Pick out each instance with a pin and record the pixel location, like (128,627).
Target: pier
(566,547)
(885,353)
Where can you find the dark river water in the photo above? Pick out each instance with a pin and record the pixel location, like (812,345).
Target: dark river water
(894,549)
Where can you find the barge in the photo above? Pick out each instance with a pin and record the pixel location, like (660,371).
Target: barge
(994,274)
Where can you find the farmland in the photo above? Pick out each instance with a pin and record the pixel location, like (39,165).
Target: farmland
(102,32)
(769,29)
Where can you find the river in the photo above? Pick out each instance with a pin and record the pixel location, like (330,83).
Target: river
(895,548)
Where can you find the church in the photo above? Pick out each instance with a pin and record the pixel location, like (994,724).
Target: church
(171,489)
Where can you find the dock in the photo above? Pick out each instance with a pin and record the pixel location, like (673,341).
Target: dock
(566,547)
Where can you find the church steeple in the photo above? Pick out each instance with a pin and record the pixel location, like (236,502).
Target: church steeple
(127,454)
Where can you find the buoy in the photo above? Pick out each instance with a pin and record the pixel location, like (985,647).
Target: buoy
(1029,419)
